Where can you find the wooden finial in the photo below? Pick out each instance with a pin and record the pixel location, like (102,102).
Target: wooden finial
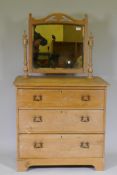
(25,43)
(86,16)
(90,68)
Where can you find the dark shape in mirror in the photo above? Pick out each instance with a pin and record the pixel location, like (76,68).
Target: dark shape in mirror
(58,46)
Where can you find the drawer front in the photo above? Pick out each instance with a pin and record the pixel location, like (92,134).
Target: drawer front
(51,121)
(82,99)
(60,146)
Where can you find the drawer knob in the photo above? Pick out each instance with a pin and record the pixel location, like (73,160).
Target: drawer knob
(38,145)
(37,119)
(85,98)
(37,97)
(84,119)
(84,145)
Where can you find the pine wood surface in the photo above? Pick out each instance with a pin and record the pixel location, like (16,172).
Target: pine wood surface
(50,127)
(61,121)
(60,145)
(52,81)
(81,99)
(98,163)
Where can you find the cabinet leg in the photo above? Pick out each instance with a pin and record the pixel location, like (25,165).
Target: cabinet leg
(99,166)
(22,165)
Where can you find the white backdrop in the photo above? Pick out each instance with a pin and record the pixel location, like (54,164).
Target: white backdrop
(14,20)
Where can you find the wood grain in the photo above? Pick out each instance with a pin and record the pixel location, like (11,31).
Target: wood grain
(81,99)
(61,121)
(60,81)
(98,163)
(59,127)
(60,145)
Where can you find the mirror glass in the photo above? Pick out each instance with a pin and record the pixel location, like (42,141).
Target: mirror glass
(57,46)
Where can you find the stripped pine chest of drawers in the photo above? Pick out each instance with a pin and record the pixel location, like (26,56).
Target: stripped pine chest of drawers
(60,121)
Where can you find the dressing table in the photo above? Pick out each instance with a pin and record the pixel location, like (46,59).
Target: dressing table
(60,114)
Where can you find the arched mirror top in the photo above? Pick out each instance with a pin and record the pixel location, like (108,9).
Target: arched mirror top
(58,18)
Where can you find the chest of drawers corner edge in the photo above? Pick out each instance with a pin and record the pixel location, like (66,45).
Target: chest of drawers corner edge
(60,121)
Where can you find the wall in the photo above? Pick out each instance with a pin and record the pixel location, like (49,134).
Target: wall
(13,21)
(47,31)
(73,35)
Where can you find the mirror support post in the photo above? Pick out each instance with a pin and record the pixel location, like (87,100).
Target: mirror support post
(25,43)
(90,65)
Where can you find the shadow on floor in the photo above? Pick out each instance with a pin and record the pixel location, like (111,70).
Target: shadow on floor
(110,160)
(8,159)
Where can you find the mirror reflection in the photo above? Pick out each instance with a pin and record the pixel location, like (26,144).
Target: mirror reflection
(57,46)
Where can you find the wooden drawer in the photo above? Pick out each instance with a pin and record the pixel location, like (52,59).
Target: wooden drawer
(59,121)
(82,99)
(60,145)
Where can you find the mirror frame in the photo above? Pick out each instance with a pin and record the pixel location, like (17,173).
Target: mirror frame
(58,18)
